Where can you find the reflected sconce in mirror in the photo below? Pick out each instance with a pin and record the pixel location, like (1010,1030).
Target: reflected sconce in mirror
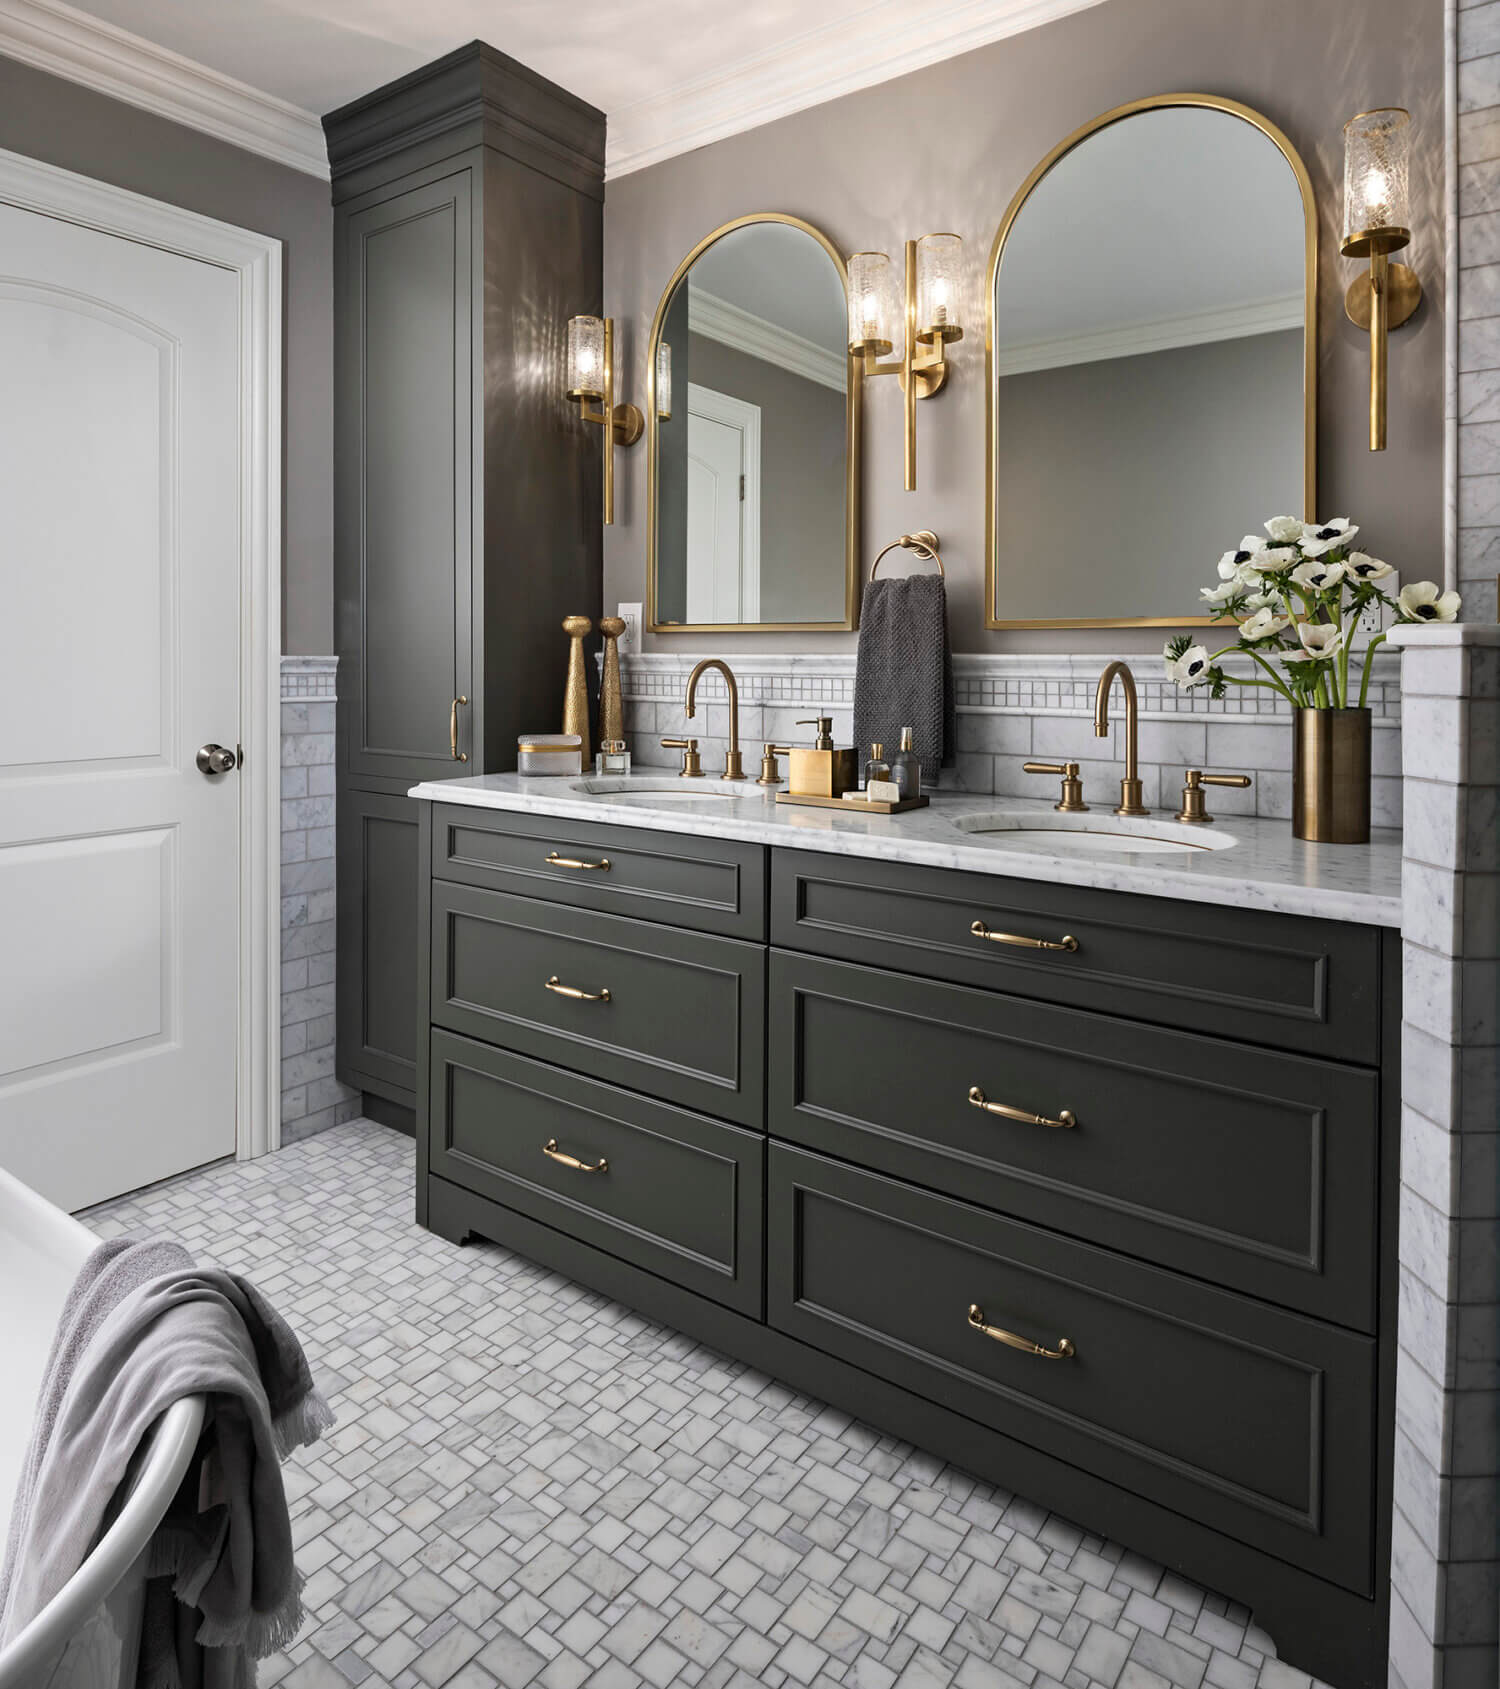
(1377,222)
(591,381)
(664,382)
(916,323)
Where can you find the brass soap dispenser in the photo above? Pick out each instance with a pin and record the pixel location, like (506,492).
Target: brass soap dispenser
(822,771)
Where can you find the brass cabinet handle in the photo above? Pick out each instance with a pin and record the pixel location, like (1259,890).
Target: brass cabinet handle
(1066,942)
(551,1150)
(453,750)
(553,860)
(1064,1350)
(979,1100)
(577,995)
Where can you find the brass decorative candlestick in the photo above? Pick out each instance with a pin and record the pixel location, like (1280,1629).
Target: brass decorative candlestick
(611,704)
(576,697)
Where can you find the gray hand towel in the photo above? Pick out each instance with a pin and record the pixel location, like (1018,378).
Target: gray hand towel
(903,675)
(144,1327)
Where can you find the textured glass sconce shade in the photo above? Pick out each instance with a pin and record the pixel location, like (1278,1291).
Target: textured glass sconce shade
(875,313)
(938,260)
(664,380)
(585,358)
(1377,189)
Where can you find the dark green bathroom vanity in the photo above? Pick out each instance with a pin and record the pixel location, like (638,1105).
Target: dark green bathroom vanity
(1089,1189)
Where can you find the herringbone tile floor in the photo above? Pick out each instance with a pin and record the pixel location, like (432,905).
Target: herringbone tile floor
(531,1485)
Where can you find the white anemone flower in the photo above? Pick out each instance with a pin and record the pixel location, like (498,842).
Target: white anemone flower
(1275,558)
(1191,668)
(1320,640)
(1317,576)
(1362,567)
(1264,624)
(1232,562)
(1423,601)
(1285,529)
(1223,592)
(1318,537)
(1260,601)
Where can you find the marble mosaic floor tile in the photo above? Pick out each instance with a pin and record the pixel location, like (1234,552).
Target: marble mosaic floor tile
(530,1485)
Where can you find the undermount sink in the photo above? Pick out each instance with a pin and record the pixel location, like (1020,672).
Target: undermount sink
(657,792)
(1094,834)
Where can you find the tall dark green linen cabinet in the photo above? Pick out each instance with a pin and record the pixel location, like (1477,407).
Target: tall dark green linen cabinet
(468,228)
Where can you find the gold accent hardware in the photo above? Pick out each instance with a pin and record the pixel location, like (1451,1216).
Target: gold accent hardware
(770,771)
(1331,776)
(572,991)
(820,770)
(1063,1352)
(992,517)
(1194,809)
(622,423)
(1130,787)
(853,437)
(924,543)
(551,1150)
(611,705)
(922,368)
(692,763)
(979,1100)
(576,690)
(553,860)
(824,725)
(734,769)
(453,750)
(1066,942)
(1071,802)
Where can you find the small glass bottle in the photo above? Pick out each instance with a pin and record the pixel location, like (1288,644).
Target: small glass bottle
(906,768)
(876,767)
(613,758)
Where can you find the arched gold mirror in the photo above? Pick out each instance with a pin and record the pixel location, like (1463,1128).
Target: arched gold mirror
(1151,363)
(753,445)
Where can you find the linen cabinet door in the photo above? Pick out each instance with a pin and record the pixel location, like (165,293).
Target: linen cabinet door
(377,944)
(404,480)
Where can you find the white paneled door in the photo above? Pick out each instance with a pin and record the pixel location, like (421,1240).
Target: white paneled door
(119,658)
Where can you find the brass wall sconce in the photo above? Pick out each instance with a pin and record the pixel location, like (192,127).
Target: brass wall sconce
(1377,222)
(923,323)
(591,377)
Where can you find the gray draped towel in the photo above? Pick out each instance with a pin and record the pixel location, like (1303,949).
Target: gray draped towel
(903,674)
(143,1327)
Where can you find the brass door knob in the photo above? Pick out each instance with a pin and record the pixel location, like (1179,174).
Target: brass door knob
(214,759)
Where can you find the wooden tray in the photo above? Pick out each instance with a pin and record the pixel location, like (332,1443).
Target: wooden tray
(860,808)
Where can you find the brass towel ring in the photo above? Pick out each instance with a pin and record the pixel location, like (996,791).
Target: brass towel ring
(924,542)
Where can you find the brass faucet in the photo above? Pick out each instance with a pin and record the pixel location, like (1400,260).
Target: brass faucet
(733,767)
(1130,787)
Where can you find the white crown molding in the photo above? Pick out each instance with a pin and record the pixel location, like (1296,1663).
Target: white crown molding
(887,39)
(1265,316)
(51,36)
(743,331)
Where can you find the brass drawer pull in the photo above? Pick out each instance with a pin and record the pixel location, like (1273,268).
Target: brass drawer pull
(551,1150)
(578,996)
(979,1100)
(1064,1350)
(453,750)
(553,860)
(1067,942)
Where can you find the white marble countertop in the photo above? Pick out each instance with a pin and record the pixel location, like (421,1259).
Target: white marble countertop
(1263,868)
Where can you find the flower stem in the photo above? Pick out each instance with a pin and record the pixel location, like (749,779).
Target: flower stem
(1364,679)
(1275,679)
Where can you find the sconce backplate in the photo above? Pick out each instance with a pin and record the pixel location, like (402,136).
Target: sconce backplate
(929,381)
(1406,295)
(629,422)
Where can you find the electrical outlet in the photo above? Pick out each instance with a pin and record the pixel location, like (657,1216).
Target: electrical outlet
(1375,618)
(630,640)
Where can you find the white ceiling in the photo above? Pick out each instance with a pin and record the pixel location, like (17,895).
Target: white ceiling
(670,74)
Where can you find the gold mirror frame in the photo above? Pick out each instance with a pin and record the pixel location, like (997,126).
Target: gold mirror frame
(851,449)
(1155,102)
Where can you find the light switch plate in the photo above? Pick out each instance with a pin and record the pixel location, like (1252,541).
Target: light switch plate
(630,640)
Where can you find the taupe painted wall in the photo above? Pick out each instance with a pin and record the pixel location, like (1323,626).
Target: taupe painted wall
(76,129)
(946,147)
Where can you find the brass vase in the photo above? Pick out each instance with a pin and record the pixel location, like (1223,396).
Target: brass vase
(611,702)
(576,697)
(1331,776)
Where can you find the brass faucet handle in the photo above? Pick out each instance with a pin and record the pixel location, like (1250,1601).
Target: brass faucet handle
(770,769)
(824,725)
(1071,802)
(692,763)
(1194,809)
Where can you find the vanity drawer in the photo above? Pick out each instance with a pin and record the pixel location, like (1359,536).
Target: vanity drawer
(1255,1422)
(668,1191)
(1265,978)
(676,1014)
(1251,1168)
(707,885)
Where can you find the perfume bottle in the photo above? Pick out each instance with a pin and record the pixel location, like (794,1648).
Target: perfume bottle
(613,757)
(906,768)
(876,767)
